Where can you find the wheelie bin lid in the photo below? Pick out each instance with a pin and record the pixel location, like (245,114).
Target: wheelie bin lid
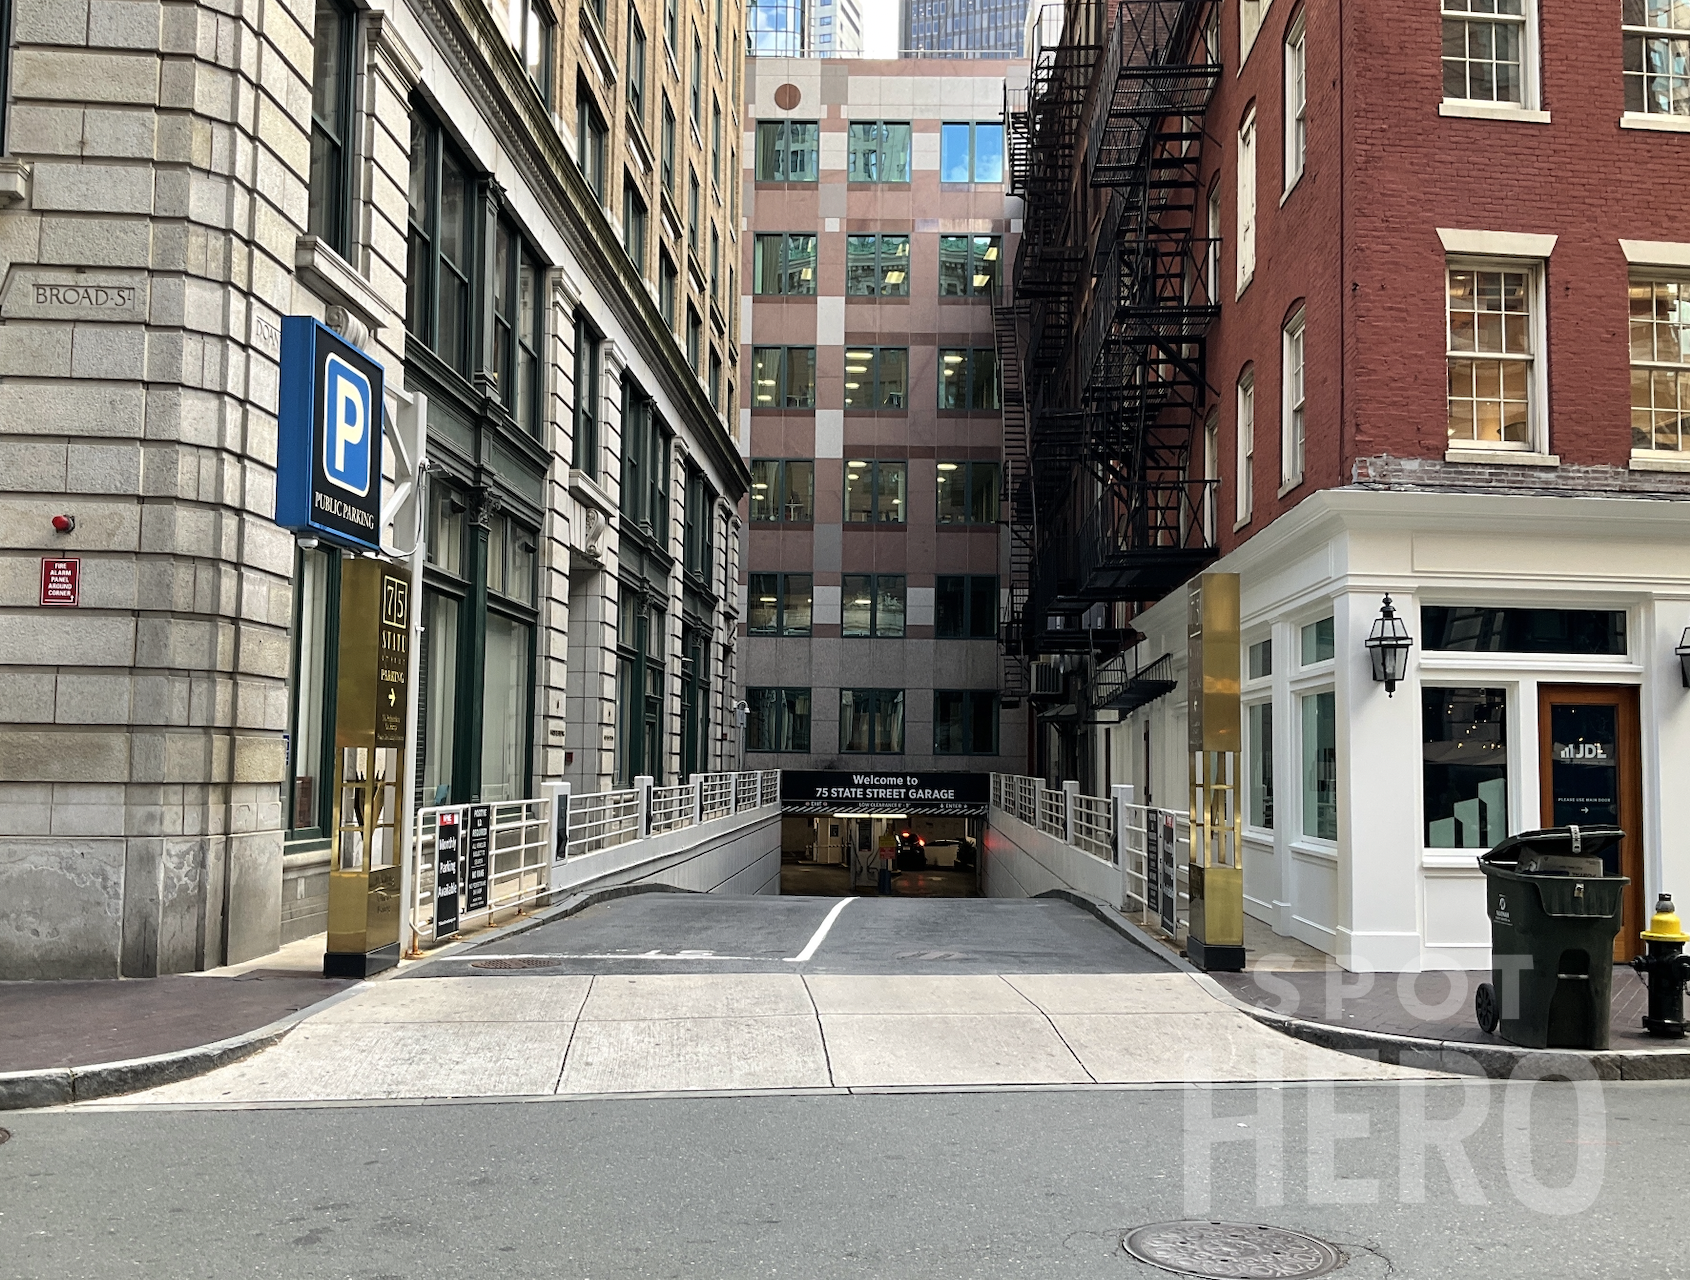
(1553,842)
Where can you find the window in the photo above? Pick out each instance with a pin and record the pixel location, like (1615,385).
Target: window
(442,202)
(965,607)
(1484,50)
(787,150)
(636,66)
(780,604)
(328,213)
(717,6)
(1291,412)
(692,213)
(784,262)
(646,446)
(1660,365)
(642,637)
(1320,766)
(672,24)
(872,604)
(1213,278)
(1296,103)
(695,339)
(783,490)
(633,222)
(1491,356)
(1250,15)
(517,319)
(715,386)
(668,281)
(715,144)
(311,759)
(585,446)
(506,687)
(1475,629)
(971,153)
(878,151)
(965,722)
(1261,659)
(1464,749)
(1246,466)
(591,142)
(871,720)
(968,379)
(1657,66)
(877,266)
(785,377)
(1246,201)
(1260,764)
(668,147)
(531,36)
(697,525)
(1317,642)
(697,100)
(969,266)
(778,720)
(874,491)
(715,265)
(968,492)
(877,378)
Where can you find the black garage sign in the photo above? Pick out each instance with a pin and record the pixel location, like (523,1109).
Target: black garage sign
(953,794)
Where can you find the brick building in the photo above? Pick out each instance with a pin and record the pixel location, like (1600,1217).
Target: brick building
(1385,367)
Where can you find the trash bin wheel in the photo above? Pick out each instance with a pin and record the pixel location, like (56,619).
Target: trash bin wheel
(1485,1008)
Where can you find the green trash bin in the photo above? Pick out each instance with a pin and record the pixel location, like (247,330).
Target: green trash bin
(1555,903)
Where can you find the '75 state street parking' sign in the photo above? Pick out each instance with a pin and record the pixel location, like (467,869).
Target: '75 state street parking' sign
(328,447)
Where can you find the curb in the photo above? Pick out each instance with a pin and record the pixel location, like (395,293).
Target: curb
(1123,926)
(61,1086)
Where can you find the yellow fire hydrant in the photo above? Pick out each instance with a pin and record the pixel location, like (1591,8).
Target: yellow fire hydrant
(1665,969)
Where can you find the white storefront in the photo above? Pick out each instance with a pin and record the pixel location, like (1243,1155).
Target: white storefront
(1538,622)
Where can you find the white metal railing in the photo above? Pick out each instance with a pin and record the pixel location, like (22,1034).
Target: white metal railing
(1094,827)
(525,851)
(1053,814)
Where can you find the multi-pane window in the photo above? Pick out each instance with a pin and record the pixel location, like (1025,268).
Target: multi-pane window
(715,383)
(530,32)
(672,24)
(1291,412)
(1246,477)
(695,339)
(1660,364)
(780,604)
(1246,200)
(872,604)
(877,266)
(697,86)
(969,266)
(1490,356)
(1212,268)
(584,457)
(1259,725)
(1317,642)
(715,265)
(517,320)
(1656,39)
(328,211)
(1320,765)
(667,144)
(968,492)
(965,722)
(874,491)
(1464,745)
(1250,15)
(693,203)
(1484,50)
(965,607)
(878,151)
(783,490)
(641,643)
(871,720)
(971,153)
(787,150)
(877,377)
(785,377)
(968,379)
(646,448)
(633,222)
(507,688)
(696,527)
(668,287)
(311,759)
(784,262)
(715,144)
(1296,103)
(442,202)
(777,720)
(636,66)
(592,140)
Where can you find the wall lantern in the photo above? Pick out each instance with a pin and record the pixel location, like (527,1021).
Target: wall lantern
(1683,652)
(1389,643)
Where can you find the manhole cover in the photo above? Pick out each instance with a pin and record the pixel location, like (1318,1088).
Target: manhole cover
(1231,1251)
(5,1134)
(515,962)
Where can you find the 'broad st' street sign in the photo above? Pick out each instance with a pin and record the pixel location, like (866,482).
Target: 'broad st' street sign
(328,448)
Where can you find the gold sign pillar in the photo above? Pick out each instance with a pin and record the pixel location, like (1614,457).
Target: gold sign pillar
(1216,935)
(373,689)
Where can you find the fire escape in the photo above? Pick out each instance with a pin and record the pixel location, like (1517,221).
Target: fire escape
(1108,496)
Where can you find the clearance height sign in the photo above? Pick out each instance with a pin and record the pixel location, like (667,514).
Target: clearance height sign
(328,449)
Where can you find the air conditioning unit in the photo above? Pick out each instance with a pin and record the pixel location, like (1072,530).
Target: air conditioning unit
(1049,680)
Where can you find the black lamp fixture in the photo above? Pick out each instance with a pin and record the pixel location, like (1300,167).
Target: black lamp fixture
(1683,652)
(1389,643)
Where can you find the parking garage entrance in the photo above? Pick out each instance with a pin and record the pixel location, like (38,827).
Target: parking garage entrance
(838,826)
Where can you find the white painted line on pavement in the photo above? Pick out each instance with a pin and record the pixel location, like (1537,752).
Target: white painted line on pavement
(619,955)
(816,937)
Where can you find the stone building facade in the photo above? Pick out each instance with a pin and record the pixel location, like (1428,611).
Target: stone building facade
(478,195)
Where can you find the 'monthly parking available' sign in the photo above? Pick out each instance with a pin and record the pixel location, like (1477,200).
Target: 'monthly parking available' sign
(328,448)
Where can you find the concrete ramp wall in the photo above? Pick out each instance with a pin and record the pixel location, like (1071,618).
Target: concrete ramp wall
(1023,862)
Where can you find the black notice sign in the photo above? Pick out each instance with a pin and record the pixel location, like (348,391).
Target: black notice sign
(1153,861)
(448,870)
(480,855)
(1170,874)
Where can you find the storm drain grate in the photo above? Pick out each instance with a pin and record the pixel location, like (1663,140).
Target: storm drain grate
(1231,1251)
(516,962)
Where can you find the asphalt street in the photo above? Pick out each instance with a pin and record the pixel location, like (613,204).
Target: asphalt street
(977,1185)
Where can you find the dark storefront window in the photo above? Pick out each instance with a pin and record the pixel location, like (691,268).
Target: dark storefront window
(1475,629)
(1464,744)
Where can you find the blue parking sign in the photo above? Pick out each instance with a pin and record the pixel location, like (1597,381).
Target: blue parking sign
(328,446)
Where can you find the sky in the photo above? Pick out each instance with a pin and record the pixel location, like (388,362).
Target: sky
(880,28)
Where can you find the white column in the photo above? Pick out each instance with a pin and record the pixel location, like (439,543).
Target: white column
(1070,793)
(1121,794)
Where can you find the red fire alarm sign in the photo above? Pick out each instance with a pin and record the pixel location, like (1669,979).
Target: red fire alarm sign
(60,580)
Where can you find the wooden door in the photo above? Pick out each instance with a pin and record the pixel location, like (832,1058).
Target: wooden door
(1591,775)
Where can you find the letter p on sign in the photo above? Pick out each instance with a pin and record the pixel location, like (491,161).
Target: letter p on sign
(346,427)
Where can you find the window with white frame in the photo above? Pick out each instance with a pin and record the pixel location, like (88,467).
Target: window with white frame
(1320,765)
(1660,363)
(1214,232)
(1259,748)
(1250,16)
(1211,472)
(1486,51)
(1246,201)
(1494,376)
(1291,411)
(1246,468)
(1655,35)
(1296,103)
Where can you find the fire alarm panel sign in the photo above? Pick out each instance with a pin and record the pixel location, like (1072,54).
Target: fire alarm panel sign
(61,581)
